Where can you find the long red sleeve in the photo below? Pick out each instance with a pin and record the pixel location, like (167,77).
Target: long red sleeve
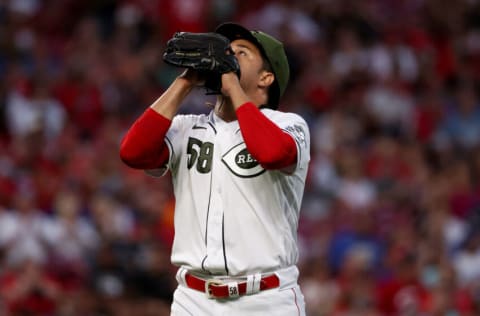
(144,147)
(266,142)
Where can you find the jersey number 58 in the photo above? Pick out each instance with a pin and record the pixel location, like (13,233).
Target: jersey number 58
(199,154)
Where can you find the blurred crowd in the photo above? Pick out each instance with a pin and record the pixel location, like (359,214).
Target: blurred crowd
(390,89)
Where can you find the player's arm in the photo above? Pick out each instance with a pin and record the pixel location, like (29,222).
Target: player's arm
(143,146)
(267,143)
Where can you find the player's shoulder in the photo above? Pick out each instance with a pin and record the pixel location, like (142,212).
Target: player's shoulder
(285,117)
(292,123)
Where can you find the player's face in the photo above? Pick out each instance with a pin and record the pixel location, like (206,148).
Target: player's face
(251,63)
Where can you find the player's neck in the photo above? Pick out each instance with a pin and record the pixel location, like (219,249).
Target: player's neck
(224,109)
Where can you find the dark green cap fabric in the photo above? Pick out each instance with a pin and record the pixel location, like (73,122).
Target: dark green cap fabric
(273,51)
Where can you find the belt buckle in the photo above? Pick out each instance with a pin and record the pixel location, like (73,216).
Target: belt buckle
(207,287)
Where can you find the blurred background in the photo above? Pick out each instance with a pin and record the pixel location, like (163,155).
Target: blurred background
(390,89)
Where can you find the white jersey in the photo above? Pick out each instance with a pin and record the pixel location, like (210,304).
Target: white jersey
(232,217)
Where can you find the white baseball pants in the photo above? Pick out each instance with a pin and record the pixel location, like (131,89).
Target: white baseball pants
(286,300)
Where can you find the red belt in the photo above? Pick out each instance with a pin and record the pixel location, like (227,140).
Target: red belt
(215,288)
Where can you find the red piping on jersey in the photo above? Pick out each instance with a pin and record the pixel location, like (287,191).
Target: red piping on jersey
(266,142)
(144,147)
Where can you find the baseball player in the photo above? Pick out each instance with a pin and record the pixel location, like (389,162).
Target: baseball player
(238,176)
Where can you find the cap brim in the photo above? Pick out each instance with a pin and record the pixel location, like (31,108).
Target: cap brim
(234,31)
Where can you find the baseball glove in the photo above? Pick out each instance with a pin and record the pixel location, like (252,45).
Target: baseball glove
(208,53)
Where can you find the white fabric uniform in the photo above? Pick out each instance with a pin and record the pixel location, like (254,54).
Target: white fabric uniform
(232,217)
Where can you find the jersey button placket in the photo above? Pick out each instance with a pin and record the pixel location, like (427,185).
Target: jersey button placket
(215,259)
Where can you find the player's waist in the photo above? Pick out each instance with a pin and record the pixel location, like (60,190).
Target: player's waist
(225,286)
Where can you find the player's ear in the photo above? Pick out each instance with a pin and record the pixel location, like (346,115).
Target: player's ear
(266,79)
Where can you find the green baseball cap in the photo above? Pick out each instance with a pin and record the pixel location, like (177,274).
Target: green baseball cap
(273,51)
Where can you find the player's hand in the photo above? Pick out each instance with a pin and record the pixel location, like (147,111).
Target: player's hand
(193,77)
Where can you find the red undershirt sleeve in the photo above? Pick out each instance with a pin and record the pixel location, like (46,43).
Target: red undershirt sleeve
(144,147)
(267,143)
